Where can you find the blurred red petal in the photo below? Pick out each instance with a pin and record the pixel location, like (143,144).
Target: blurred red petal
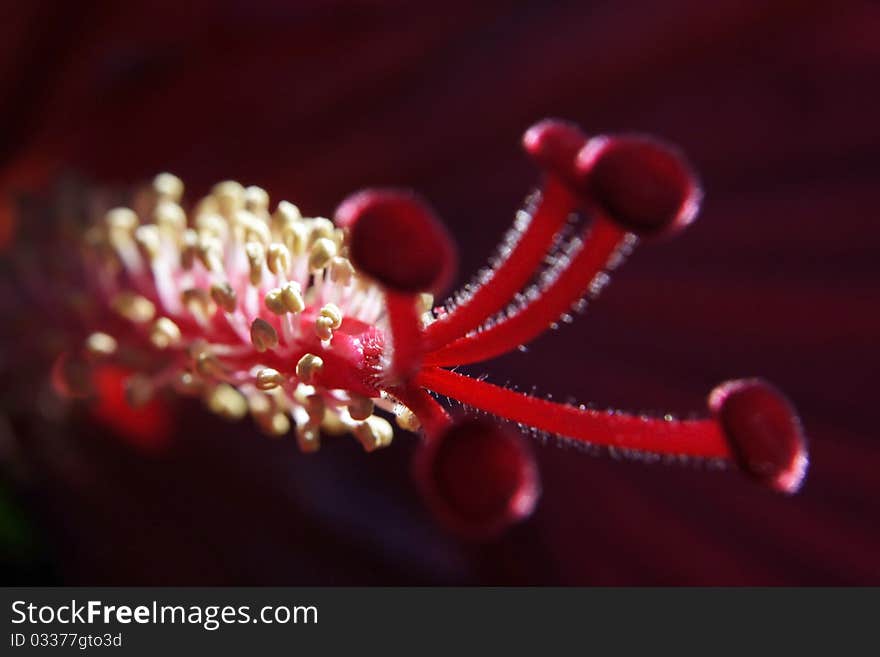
(147,427)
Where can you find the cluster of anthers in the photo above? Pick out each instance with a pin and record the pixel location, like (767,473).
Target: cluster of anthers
(311,325)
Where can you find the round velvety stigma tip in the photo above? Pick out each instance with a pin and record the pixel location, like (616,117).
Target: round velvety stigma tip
(478,478)
(644,185)
(396,239)
(763,431)
(554,144)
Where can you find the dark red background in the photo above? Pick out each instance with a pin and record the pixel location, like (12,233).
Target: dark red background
(776,103)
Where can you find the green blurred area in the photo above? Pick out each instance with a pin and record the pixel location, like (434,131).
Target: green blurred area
(23,558)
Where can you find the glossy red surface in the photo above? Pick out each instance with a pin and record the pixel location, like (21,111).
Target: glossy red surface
(397,240)
(478,477)
(643,185)
(554,145)
(764,432)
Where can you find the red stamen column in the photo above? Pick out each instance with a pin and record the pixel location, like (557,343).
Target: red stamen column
(396,240)
(630,184)
(554,145)
(698,438)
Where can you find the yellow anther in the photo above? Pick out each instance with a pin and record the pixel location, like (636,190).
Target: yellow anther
(360,407)
(230,197)
(121,220)
(227,402)
(168,187)
(277,424)
(101,344)
(278,258)
(259,405)
(256,200)
(224,296)
(207,205)
(302,392)
(308,438)
(148,241)
(263,336)
(308,367)
(170,217)
(425,303)
(341,270)
(189,249)
(165,333)
(212,224)
(256,256)
(268,379)
(254,229)
(199,302)
(320,228)
(134,307)
(332,312)
(333,425)
(329,319)
(291,295)
(374,433)
(321,253)
(296,237)
(407,420)
(210,253)
(286,213)
(275,302)
(323,328)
